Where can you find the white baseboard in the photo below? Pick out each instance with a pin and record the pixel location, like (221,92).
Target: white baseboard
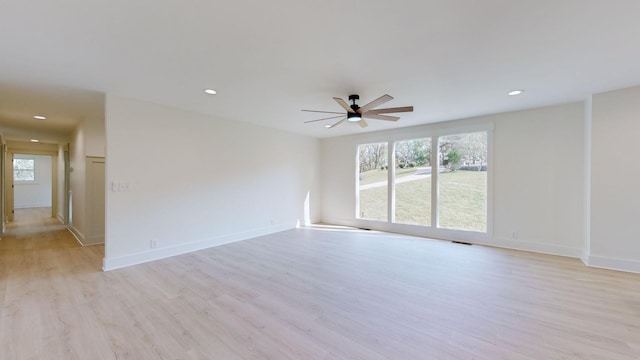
(585,257)
(33,205)
(161,253)
(76,234)
(614,263)
(537,247)
(471,237)
(93,240)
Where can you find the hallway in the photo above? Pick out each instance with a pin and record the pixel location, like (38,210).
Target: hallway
(35,242)
(32,221)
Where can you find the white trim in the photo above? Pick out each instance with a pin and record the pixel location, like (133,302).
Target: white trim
(584,256)
(626,265)
(435,178)
(458,235)
(162,253)
(434,229)
(391,181)
(603,262)
(76,234)
(537,247)
(32,205)
(93,240)
(588,114)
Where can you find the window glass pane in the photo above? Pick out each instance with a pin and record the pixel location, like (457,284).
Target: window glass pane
(372,181)
(24,170)
(413,182)
(462,185)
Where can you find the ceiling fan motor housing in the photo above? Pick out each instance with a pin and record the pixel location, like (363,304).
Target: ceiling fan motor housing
(354,106)
(355,115)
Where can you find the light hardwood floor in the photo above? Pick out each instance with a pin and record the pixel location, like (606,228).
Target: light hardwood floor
(312,294)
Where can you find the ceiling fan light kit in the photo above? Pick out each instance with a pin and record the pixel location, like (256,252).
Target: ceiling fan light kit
(357,114)
(353,117)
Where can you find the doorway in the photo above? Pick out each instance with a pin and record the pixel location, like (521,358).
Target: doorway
(32,196)
(31,183)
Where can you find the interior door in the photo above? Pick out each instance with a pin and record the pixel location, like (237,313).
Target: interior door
(96,187)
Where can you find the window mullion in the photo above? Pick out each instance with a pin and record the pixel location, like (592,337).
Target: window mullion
(391,188)
(435,167)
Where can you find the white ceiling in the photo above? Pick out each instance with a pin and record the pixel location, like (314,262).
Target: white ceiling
(269,59)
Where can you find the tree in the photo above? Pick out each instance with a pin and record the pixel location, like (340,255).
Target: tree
(372,156)
(454,157)
(411,153)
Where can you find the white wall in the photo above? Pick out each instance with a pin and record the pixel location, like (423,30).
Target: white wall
(615,174)
(196,181)
(87,140)
(537,172)
(38,193)
(94,134)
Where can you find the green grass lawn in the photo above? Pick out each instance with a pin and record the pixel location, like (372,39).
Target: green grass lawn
(463,201)
(377,175)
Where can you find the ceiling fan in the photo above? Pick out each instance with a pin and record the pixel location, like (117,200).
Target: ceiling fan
(357,114)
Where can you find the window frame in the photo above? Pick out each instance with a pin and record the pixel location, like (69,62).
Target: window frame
(433,132)
(25,182)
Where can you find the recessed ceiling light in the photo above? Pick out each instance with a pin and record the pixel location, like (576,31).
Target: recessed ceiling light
(211,91)
(34,140)
(39,117)
(327,126)
(515,92)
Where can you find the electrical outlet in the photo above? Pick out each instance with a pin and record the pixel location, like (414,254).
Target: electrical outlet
(514,235)
(123,187)
(153,243)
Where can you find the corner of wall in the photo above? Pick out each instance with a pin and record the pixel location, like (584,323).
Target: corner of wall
(610,263)
(76,234)
(586,247)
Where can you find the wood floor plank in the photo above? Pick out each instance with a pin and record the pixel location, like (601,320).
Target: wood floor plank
(309,294)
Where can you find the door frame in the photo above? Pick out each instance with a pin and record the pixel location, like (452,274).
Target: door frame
(9,186)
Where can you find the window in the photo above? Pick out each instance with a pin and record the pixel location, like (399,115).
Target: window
(438,181)
(462,182)
(413,182)
(24,170)
(372,181)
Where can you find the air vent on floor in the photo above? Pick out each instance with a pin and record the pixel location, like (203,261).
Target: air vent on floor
(462,243)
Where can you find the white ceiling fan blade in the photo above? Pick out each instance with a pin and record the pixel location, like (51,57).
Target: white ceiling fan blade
(377,102)
(338,123)
(369,115)
(391,110)
(327,118)
(324,112)
(343,104)
(363,124)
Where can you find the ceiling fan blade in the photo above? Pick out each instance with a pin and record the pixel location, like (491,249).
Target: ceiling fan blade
(324,112)
(377,102)
(343,104)
(328,118)
(391,110)
(338,123)
(369,115)
(363,124)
